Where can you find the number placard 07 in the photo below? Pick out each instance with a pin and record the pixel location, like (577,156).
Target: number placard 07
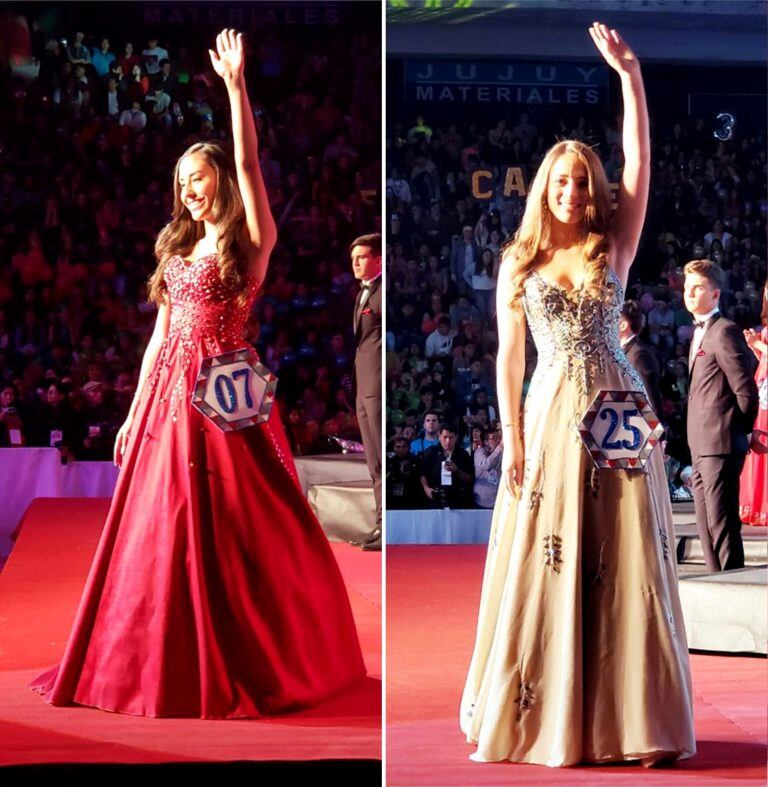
(234,389)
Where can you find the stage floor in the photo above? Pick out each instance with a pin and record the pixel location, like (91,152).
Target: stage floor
(432,598)
(39,590)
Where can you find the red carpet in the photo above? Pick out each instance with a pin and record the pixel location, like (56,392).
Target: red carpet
(39,590)
(432,598)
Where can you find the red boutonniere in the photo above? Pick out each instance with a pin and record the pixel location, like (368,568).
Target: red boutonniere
(366,311)
(700,353)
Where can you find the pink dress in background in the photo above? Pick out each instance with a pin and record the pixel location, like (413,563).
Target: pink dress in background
(753,495)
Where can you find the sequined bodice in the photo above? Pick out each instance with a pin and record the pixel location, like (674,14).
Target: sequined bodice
(201,305)
(206,319)
(578,329)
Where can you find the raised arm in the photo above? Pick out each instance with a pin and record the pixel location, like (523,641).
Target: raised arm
(229,63)
(633,191)
(510,370)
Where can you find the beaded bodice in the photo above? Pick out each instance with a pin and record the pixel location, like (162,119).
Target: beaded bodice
(577,329)
(206,318)
(202,305)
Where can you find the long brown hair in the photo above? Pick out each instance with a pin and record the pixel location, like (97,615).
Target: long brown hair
(182,232)
(534,229)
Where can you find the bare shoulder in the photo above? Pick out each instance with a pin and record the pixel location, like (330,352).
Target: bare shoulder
(506,268)
(509,262)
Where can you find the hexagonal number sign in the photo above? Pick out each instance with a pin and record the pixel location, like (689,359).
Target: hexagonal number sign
(234,390)
(619,429)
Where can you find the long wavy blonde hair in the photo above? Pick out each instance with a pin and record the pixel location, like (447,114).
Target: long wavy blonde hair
(534,230)
(182,232)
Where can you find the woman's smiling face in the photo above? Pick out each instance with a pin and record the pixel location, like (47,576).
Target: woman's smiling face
(197,186)
(568,189)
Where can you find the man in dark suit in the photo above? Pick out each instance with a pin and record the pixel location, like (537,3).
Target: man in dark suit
(640,355)
(464,254)
(366,265)
(448,473)
(722,406)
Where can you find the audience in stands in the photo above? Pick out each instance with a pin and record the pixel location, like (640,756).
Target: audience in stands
(85,186)
(444,251)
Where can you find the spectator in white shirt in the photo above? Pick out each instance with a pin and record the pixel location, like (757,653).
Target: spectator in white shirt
(487,460)
(133,117)
(440,341)
(718,233)
(482,279)
(152,56)
(397,187)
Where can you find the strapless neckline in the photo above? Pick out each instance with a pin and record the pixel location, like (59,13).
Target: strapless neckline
(188,264)
(570,290)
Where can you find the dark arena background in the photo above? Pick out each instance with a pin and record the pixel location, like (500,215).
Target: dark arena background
(477,92)
(86,159)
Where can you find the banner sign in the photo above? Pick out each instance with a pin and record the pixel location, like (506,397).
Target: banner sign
(502,82)
(245,16)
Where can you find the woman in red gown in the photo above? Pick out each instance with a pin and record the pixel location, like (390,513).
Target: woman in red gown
(213,592)
(753,494)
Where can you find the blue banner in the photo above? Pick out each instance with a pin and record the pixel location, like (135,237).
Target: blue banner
(500,81)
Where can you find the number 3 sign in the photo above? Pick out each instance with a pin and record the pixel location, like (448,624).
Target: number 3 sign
(234,389)
(620,430)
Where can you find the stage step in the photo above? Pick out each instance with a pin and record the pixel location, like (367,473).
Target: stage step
(726,611)
(689,545)
(330,468)
(346,509)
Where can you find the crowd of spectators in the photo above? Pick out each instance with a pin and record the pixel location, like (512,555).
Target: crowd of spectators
(89,143)
(435,471)
(708,199)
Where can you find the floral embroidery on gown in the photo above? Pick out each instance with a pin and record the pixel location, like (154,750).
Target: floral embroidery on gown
(214,592)
(580,652)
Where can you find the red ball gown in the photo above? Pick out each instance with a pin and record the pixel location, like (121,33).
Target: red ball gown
(213,592)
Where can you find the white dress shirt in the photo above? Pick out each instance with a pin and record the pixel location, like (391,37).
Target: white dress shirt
(367,289)
(698,334)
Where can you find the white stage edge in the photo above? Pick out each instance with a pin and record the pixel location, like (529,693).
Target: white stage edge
(28,473)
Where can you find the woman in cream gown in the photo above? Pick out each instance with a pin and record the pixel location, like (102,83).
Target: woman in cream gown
(580,652)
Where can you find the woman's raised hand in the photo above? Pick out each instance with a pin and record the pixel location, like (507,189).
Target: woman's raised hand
(613,48)
(229,58)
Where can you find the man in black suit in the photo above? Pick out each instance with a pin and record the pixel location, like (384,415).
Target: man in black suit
(640,355)
(464,254)
(722,406)
(448,473)
(366,265)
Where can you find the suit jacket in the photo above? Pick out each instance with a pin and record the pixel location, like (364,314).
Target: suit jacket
(722,393)
(459,493)
(367,327)
(458,257)
(642,358)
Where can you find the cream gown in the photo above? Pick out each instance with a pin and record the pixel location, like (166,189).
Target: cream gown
(580,652)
